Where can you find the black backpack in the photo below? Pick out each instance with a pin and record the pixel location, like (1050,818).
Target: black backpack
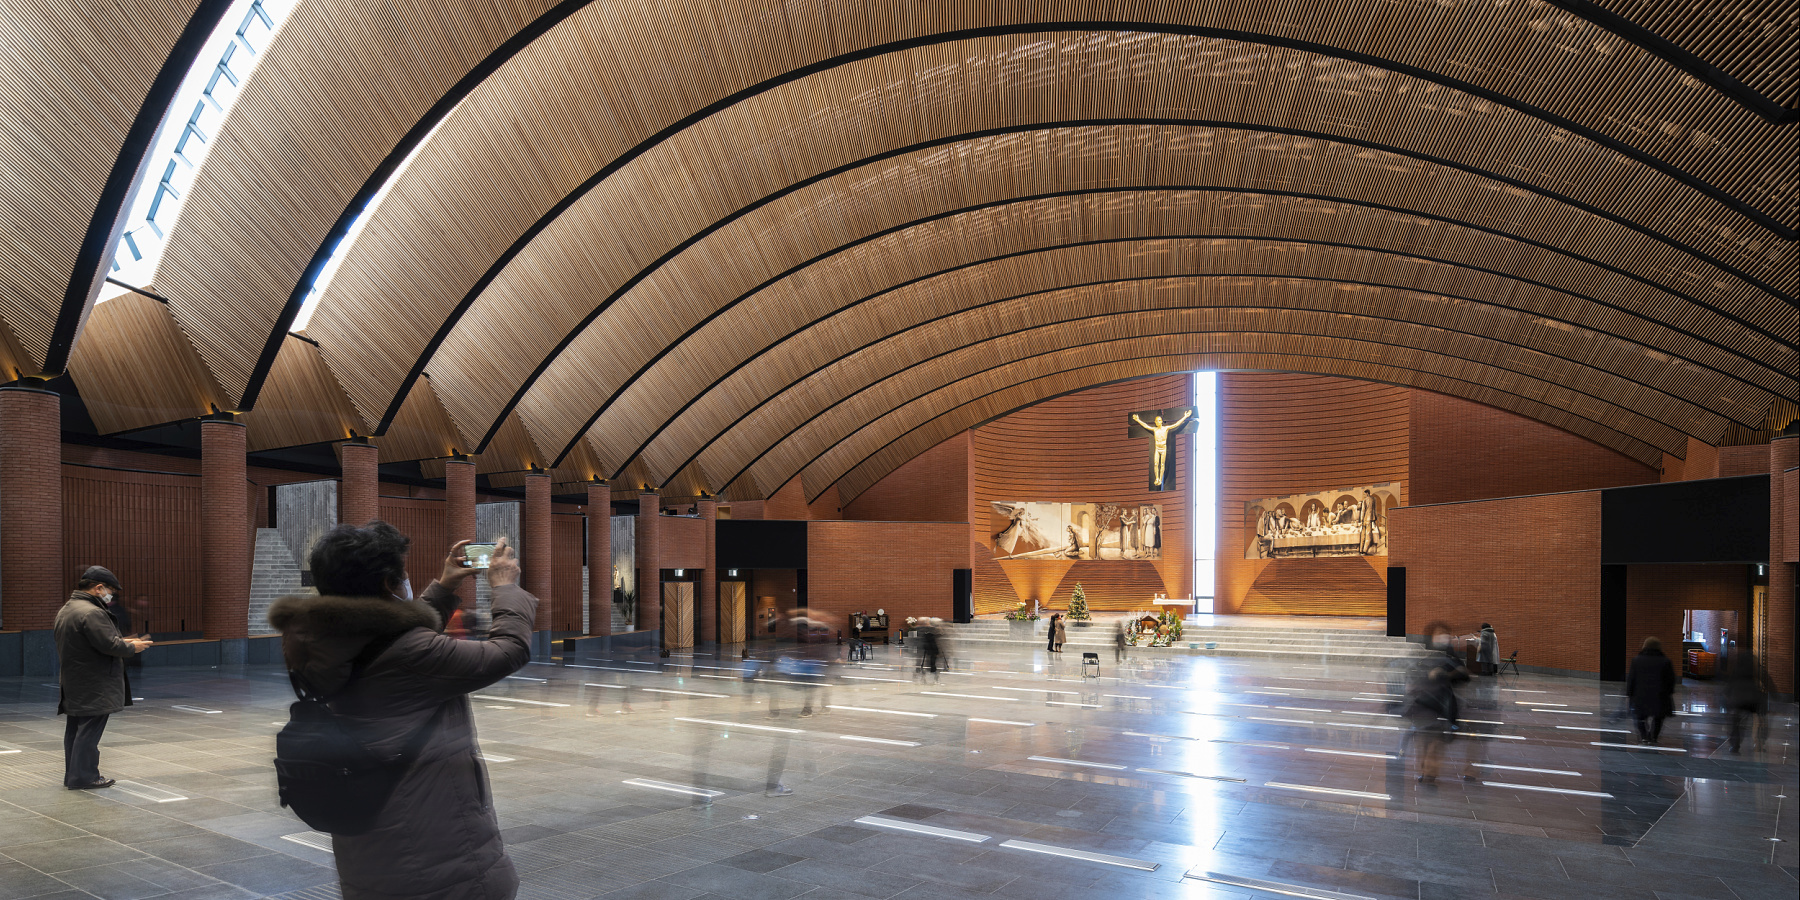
(328,777)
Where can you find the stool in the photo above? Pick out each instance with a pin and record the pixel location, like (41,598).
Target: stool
(1090,665)
(1512,660)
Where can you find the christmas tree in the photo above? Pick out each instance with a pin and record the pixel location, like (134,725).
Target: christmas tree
(1078,610)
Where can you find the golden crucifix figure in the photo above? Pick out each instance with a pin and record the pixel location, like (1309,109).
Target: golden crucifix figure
(1159,434)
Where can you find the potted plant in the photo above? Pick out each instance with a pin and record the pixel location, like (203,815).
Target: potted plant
(1078,608)
(1022,622)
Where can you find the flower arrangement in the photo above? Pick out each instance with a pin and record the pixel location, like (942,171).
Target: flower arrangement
(912,621)
(1078,608)
(1020,614)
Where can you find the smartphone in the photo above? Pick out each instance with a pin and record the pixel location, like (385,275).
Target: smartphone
(477,556)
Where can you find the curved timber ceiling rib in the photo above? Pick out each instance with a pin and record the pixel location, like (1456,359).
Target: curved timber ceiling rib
(1260,314)
(653,69)
(696,184)
(782,331)
(1744,48)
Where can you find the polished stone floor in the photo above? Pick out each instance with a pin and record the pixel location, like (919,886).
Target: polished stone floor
(1014,777)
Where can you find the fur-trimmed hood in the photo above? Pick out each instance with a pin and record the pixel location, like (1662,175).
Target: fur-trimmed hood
(322,635)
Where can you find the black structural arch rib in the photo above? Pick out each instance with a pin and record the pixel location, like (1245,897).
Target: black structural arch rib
(822,365)
(934,389)
(698,236)
(525,238)
(94,254)
(722,309)
(1685,60)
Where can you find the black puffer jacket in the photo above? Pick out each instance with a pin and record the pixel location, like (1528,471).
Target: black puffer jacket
(438,836)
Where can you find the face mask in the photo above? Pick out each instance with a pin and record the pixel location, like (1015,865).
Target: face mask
(405,589)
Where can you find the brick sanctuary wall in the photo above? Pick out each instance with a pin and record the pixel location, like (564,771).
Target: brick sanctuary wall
(1283,434)
(1462,450)
(902,567)
(1073,449)
(931,487)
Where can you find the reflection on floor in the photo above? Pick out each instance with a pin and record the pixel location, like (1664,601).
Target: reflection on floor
(1011,776)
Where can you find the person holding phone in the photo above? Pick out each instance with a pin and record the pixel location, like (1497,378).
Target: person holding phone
(91,658)
(387,669)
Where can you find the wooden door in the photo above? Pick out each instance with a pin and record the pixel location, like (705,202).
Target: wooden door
(732,598)
(678,615)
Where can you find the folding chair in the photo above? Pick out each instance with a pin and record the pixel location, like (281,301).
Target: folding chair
(1512,660)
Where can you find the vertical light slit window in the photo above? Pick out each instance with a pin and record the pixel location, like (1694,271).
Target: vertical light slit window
(1206,489)
(236,45)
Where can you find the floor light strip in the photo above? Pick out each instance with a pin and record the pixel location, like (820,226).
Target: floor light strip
(1363,725)
(1524,769)
(740,725)
(1003,722)
(872,740)
(517,700)
(1479,721)
(1524,691)
(1547,790)
(1566,712)
(616,687)
(1124,862)
(317,840)
(1285,721)
(1276,887)
(1193,775)
(1536,703)
(1037,691)
(152,794)
(1351,753)
(690,790)
(196,709)
(1251,744)
(1302,708)
(609,669)
(488,757)
(1355,712)
(1127,697)
(968,696)
(891,712)
(1498,737)
(1075,762)
(1313,789)
(528,678)
(685,693)
(1587,728)
(1069,703)
(921,828)
(873,678)
(1175,737)
(1638,747)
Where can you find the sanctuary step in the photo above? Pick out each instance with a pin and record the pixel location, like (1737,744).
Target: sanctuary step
(1353,642)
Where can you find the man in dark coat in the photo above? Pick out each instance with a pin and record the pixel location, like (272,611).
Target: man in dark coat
(91,656)
(437,836)
(1650,684)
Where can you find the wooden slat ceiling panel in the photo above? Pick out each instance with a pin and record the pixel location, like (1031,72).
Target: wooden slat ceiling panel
(885,445)
(872,341)
(758,147)
(303,403)
(803,420)
(421,430)
(512,450)
(1750,40)
(929,183)
(862,283)
(72,79)
(341,83)
(621,56)
(135,368)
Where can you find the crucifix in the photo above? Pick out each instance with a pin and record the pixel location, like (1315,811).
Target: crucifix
(1159,425)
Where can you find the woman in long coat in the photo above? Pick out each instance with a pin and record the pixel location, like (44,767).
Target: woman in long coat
(1059,633)
(1650,683)
(389,671)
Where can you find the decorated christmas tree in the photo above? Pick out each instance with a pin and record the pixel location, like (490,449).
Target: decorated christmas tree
(1078,610)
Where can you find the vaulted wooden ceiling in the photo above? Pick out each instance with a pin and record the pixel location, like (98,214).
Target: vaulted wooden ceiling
(711,246)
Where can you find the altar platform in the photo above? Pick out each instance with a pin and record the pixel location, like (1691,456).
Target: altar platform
(1352,640)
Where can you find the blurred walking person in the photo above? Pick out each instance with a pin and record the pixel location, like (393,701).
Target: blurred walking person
(929,652)
(1650,683)
(1747,687)
(1488,654)
(1121,639)
(393,678)
(91,656)
(1432,706)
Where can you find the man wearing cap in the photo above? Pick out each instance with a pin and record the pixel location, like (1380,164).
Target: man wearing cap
(91,654)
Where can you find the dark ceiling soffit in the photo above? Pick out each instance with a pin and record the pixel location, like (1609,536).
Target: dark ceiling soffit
(93,256)
(463,87)
(891,375)
(1673,54)
(581,190)
(644,273)
(1191,277)
(642,370)
(934,390)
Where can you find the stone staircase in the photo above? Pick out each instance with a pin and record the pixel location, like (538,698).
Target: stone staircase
(274,574)
(1280,641)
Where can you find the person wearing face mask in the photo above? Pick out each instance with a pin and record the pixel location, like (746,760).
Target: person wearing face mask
(395,681)
(91,658)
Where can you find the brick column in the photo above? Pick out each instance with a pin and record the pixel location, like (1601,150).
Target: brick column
(599,554)
(649,563)
(539,550)
(459,516)
(1782,595)
(706,618)
(35,584)
(359,491)
(224,535)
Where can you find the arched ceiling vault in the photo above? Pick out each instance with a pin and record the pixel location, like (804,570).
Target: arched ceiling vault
(802,421)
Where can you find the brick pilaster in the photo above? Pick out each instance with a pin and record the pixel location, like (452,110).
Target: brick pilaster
(359,491)
(649,563)
(1782,597)
(539,576)
(225,536)
(31,563)
(459,515)
(599,553)
(706,618)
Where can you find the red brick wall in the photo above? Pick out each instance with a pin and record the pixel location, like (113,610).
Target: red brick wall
(1656,597)
(1529,565)
(1283,434)
(789,502)
(903,567)
(1748,460)
(31,554)
(1073,449)
(682,542)
(599,553)
(932,487)
(569,538)
(143,526)
(1462,450)
(359,489)
(225,532)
